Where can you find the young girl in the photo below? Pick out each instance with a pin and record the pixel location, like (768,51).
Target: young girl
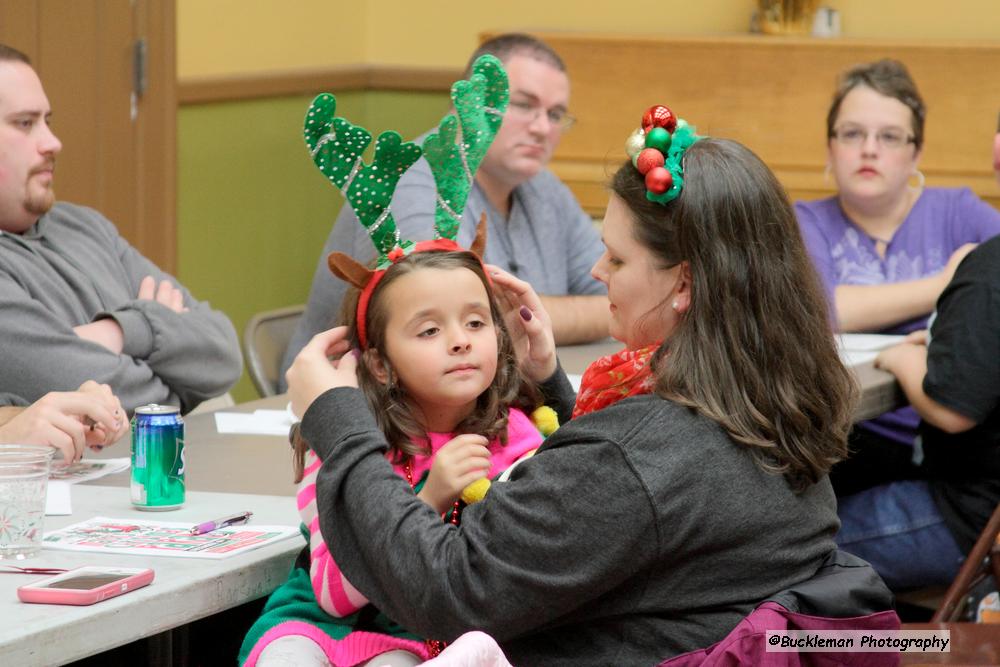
(438,368)
(439,372)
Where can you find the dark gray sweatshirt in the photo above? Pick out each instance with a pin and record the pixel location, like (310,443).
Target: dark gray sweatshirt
(637,532)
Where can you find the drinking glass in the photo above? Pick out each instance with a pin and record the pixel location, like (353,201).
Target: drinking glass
(24,477)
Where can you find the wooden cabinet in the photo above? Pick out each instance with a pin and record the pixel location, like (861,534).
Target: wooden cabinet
(771,94)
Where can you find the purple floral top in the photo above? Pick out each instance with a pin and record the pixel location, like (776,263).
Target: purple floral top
(941,221)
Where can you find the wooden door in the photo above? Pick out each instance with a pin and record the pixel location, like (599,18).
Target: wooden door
(109,70)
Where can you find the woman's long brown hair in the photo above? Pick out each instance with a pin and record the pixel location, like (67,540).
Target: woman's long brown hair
(754,352)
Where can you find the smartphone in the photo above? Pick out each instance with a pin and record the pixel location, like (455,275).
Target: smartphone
(85,585)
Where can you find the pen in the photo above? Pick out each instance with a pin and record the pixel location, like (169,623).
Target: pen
(231,520)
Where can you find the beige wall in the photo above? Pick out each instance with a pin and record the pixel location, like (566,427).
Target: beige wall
(271,35)
(267,35)
(317,33)
(454,36)
(919,19)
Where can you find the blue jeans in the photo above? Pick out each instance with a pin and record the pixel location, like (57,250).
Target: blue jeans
(897,528)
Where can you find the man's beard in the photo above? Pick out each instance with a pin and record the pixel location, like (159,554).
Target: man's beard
(39,202)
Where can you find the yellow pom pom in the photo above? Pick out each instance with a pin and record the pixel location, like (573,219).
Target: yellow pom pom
(476,491)
(546,420)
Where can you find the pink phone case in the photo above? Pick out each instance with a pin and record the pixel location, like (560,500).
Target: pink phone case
(127,579)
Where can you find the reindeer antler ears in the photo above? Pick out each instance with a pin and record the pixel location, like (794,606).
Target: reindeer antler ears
(349,269)
(479,243)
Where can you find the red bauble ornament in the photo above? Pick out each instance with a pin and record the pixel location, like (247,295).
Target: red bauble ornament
(659,116)
(659,180)
(647,159)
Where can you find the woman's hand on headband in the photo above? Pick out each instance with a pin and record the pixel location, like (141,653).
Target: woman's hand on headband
(528,323)
(323,364)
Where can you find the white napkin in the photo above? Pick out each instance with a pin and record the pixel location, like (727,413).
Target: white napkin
(258,422)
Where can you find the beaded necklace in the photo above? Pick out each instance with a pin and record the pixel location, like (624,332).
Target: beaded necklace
(453,518)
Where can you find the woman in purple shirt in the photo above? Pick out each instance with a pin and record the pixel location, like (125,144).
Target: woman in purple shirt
(885,249)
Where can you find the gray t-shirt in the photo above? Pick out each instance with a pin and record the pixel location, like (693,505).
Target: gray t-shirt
(546,240)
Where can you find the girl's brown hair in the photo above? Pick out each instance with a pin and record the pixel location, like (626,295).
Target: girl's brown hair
(396,415)
(754,352)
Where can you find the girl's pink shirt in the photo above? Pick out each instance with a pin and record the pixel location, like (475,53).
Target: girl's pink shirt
(522,437)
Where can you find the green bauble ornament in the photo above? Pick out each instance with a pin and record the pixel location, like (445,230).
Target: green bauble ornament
(658,138)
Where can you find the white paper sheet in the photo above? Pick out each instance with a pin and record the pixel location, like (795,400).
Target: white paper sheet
(258,422)
(87,469)
(58,501)
(857,342)
(856,349)
(857,357)
(162,538)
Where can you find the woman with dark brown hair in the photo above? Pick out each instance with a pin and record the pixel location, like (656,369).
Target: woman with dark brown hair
(690,484)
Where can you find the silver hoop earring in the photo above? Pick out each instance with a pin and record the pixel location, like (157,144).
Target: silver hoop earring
(920,180)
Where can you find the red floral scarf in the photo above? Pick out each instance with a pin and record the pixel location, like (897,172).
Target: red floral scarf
(614,377)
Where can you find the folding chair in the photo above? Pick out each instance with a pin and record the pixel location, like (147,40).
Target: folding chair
(265,340)
(982,562)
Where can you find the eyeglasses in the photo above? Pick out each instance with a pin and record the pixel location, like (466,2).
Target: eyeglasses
(530,112)
(890,137)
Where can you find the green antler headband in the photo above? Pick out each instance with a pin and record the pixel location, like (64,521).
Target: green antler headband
(454,153)
(479,104)
(336,146)
(657,149)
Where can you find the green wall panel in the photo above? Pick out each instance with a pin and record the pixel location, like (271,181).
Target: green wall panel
(253,212)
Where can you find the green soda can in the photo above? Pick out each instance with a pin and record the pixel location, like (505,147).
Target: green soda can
(157,458)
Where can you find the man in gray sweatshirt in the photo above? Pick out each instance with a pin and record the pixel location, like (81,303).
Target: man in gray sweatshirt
(77,302)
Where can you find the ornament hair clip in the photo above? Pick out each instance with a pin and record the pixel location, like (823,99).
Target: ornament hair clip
(657,149)
(453,152)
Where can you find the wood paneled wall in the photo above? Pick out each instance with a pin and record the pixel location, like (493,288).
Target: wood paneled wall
(771,94)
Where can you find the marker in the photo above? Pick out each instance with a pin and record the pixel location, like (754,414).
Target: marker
(231,520)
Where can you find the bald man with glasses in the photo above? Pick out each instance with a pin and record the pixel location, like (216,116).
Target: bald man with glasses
(537,229)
